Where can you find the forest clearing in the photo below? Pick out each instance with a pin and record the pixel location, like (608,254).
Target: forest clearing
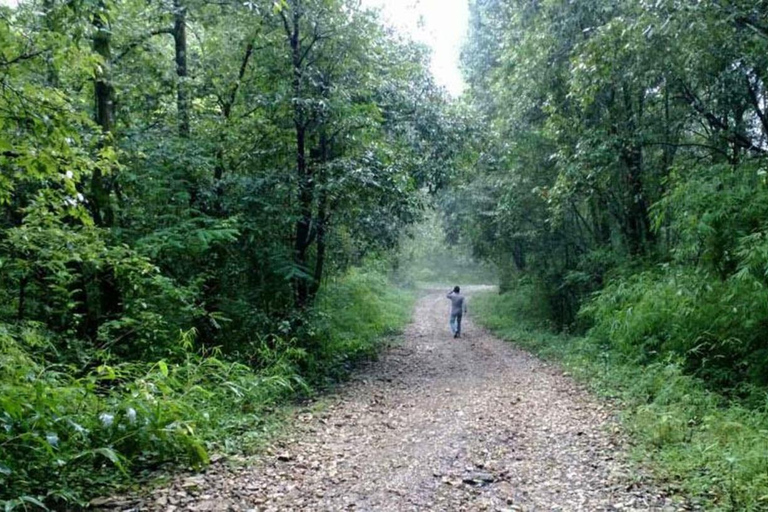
(215,212)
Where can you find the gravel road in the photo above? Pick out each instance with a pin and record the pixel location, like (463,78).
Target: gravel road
(437,424)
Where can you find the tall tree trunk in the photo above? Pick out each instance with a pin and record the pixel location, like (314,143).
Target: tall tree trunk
(49,7)
(323,215)
(739,127)
(518,255)
(22,305)
(637,222)
(180,40)
(302,241)
(104,113)
(109,302)
(304,222)
(227,103)
(598,207)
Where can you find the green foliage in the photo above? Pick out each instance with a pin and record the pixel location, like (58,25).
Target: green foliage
(592,155)
(715,328)
(66,435)
(183,167)
(710,450)
(356,311)
(622,169)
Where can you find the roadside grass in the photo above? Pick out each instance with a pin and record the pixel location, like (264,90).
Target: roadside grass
(357,313)
(700,445)
(68,435)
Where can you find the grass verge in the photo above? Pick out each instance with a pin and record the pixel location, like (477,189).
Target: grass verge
(698,443)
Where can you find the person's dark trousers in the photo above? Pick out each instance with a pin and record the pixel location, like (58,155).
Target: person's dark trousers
(456,325)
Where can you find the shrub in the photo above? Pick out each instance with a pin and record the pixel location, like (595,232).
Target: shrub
(715,328)
(69,432)
(355,311)
(705,446)
(62,436)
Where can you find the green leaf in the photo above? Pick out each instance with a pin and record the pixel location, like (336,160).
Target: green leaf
(112,456)
(163,368)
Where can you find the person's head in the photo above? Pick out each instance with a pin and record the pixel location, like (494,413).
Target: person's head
(456,289)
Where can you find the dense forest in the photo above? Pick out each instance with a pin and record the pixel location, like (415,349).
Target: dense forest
(203,204)
(181,180)
(621,187)
(622,166)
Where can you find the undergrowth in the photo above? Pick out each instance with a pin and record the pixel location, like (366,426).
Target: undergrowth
(69,433)
(702,445)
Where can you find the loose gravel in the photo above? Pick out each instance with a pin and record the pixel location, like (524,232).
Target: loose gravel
(436,424)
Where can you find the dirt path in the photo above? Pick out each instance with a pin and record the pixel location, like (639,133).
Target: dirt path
(438,424)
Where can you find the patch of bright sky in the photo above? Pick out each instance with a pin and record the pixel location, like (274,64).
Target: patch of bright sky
(441,24)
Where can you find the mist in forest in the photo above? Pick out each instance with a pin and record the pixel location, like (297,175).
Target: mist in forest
(427,257)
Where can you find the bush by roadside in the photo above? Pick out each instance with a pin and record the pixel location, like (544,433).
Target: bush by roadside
(700,444)
(67,434)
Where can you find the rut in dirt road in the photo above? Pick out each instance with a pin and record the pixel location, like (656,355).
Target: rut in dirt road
(438,424)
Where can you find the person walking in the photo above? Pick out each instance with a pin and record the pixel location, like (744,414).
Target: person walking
(458,308)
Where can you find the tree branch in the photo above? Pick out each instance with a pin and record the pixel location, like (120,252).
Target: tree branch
(20,58)
(736,138)
(286,25)
(227,106)
(316,36)
(744,21)
(137,42)
(749,23)
(686,144)
(756,104)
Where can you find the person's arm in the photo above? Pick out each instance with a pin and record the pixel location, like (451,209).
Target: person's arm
(449,294)
(465,305)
